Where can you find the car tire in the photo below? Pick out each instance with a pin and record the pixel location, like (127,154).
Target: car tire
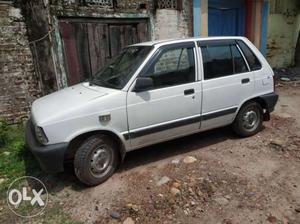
(96,160)
(249,120)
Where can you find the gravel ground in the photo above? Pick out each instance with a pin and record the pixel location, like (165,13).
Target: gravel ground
(212,177)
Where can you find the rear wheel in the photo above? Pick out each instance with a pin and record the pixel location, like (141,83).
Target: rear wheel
(249,120)
(96,160)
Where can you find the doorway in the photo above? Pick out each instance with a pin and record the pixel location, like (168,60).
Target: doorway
(89,44)
(226,17)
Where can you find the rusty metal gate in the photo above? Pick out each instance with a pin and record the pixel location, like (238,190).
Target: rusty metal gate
(89,44)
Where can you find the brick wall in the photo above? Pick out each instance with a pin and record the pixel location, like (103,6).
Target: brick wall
(171,23)
(18,82)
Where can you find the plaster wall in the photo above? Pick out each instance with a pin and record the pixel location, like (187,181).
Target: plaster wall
(297,28)
(283,29)
(281,45)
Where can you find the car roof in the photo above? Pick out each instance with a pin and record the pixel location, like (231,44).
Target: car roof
(180,40)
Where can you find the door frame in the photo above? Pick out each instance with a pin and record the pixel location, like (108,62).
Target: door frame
(177,123)
(232,4)
(140,35)
(237,23)
(130,85)
(213,119)
(57,48)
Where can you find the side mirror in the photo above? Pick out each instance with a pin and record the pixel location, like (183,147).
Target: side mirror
(143,84)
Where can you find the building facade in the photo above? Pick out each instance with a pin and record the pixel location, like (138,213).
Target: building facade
(67,41)
(272,25)
(47,45)
(283,32)
(232,18)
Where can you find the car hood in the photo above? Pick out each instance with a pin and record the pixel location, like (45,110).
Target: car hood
(65,101)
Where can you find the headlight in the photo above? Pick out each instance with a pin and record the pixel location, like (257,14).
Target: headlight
(40,135)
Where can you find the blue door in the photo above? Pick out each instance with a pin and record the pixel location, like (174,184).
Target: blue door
(222,22)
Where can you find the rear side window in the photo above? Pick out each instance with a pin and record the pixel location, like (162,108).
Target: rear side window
(253,61)
(222,60)
(217,61)
(238,60)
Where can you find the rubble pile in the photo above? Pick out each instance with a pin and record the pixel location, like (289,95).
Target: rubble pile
(287,74)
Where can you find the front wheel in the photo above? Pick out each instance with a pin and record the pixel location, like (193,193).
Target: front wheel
(95,160)
(249,120)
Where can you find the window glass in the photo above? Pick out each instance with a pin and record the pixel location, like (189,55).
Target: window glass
(253,61)
(238,60)
(117,73)
(173,67)
(217,61)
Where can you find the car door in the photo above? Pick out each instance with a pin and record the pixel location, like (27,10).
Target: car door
(172,106)
(263,75)
(227,82)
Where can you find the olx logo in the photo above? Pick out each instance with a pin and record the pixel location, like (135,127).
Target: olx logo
(23,196)
(27,197)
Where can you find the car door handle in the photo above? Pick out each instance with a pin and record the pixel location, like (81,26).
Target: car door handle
(189,91)
(244,81)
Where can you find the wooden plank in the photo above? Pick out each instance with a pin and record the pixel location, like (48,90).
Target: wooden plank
(70,53)
(89,45)
(82,47)
(98,45)
(142,30)
(115,40)
(105,21)
(129,35)
(134,33)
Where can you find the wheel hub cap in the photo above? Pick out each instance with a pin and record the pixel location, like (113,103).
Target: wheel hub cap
(250,119)
(100,160)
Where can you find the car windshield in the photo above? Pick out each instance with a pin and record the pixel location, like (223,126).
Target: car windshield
(117,74)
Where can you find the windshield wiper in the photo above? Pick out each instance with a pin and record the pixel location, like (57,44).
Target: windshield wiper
(104,83)
(91,81)
(111,68)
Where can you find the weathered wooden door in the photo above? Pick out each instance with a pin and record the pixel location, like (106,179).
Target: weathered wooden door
(89,44)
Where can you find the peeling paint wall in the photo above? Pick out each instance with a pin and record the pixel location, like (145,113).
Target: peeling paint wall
(280,46)
(297,28)
(283,26)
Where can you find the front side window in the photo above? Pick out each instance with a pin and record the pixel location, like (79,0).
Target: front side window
(172,67)
(117,74)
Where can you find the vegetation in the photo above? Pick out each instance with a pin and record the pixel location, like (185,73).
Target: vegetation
(15,160)
(3,133)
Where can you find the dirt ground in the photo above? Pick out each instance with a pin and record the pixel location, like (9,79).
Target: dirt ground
(212,177)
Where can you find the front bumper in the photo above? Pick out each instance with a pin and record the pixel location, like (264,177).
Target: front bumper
(50,157)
